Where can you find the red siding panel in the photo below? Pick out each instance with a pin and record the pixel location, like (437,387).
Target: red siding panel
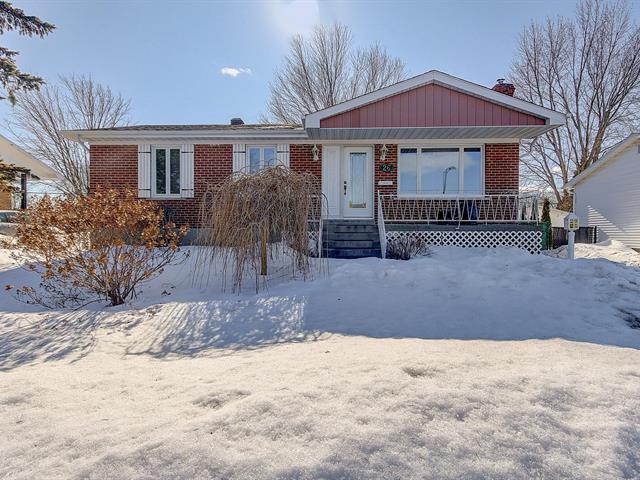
(430,106)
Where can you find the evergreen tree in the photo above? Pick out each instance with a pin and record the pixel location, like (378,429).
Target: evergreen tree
(11,78)
(546,220)
(9,173)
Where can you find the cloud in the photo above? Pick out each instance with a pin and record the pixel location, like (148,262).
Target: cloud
(294,16)
(235,71)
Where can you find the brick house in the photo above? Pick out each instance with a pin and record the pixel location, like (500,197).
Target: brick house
(433,156)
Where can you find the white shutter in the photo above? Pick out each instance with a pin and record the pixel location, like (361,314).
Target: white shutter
(239,158)
(186,171)
(144,171)
(283,154)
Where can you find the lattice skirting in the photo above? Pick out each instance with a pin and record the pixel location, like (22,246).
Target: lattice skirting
(313,243)
(530,240)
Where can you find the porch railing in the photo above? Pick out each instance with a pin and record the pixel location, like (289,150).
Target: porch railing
(381,228)
(495,208)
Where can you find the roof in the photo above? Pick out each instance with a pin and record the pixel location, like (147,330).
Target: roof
(181,128)
(312,130)
(13,154)
(603,161)
(434,76)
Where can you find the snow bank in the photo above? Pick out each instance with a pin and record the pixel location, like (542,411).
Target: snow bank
(448,366)
(610,249)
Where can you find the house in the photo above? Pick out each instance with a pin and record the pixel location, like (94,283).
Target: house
(607,193)
(433,156)
(10,153)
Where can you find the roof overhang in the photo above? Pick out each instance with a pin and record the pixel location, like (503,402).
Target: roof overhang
(13,154)
(434,76)
(429,133)
(178,136)
(606,159)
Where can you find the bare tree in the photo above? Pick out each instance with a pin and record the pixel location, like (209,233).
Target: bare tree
(78,102)
(589,68)
(324,70)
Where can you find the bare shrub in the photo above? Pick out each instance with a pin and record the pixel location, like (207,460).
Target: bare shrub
(102,246)
(249,219)
(406,247)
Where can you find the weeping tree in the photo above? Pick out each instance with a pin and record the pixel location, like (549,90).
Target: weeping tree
(249,221)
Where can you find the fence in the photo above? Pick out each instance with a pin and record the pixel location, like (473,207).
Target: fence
(583,235)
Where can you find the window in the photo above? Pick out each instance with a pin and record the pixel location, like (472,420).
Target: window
(444,171)
(165,169)
(261,157)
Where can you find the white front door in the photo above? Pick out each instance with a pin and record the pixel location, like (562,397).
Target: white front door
(357,182)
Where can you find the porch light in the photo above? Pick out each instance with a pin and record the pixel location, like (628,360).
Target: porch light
(315,151)
(383,152)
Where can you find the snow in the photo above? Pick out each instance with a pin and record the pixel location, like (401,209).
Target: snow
(465,364)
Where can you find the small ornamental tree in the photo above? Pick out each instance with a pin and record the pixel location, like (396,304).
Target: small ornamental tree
(250,220)
(547,241)
(102,246)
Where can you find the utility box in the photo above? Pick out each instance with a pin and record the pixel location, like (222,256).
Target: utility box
(571,222)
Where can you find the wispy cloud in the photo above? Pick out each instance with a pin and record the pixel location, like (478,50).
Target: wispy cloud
(235,71)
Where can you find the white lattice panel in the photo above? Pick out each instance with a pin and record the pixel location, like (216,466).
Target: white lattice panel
(529,240)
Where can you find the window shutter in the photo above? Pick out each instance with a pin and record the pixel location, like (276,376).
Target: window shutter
(283,154)
(186,171)
(239,158)
(144,171)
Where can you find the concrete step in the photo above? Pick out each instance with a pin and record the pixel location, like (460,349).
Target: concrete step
(350,244)
(362,228)
(350,236)
(352,252)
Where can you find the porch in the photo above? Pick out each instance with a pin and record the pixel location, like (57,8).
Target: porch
(487,221)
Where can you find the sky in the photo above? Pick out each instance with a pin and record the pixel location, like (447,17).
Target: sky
(196,61)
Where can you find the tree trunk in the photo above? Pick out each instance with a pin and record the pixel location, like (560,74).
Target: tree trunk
(263,253)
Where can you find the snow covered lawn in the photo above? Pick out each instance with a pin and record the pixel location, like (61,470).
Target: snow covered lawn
(466,364)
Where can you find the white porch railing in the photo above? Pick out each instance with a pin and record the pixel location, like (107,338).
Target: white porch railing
(497,208)
(381,228)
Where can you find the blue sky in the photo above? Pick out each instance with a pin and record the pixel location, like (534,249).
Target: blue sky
(167,56)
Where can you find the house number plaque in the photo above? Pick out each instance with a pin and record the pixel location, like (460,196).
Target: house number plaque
(386,167)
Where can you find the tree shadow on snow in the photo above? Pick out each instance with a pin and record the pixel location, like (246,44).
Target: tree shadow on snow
(194,328)
(54,336)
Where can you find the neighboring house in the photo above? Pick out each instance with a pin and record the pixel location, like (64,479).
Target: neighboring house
(433,156)
(607,194)
(11,153)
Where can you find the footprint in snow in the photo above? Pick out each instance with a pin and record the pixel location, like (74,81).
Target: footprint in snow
(418,372)
(218,400)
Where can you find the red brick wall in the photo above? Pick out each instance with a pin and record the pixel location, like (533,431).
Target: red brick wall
(301,160)
(501,166)
(378,174)
(116,166)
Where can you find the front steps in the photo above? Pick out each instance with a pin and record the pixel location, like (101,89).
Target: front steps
(350,239)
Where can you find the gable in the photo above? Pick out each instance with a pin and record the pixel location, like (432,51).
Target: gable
(430,105)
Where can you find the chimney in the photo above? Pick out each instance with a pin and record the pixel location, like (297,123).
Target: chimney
(236,121)
(506,88)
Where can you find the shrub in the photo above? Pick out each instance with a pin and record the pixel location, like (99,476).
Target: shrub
(102,246)
(406,247)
